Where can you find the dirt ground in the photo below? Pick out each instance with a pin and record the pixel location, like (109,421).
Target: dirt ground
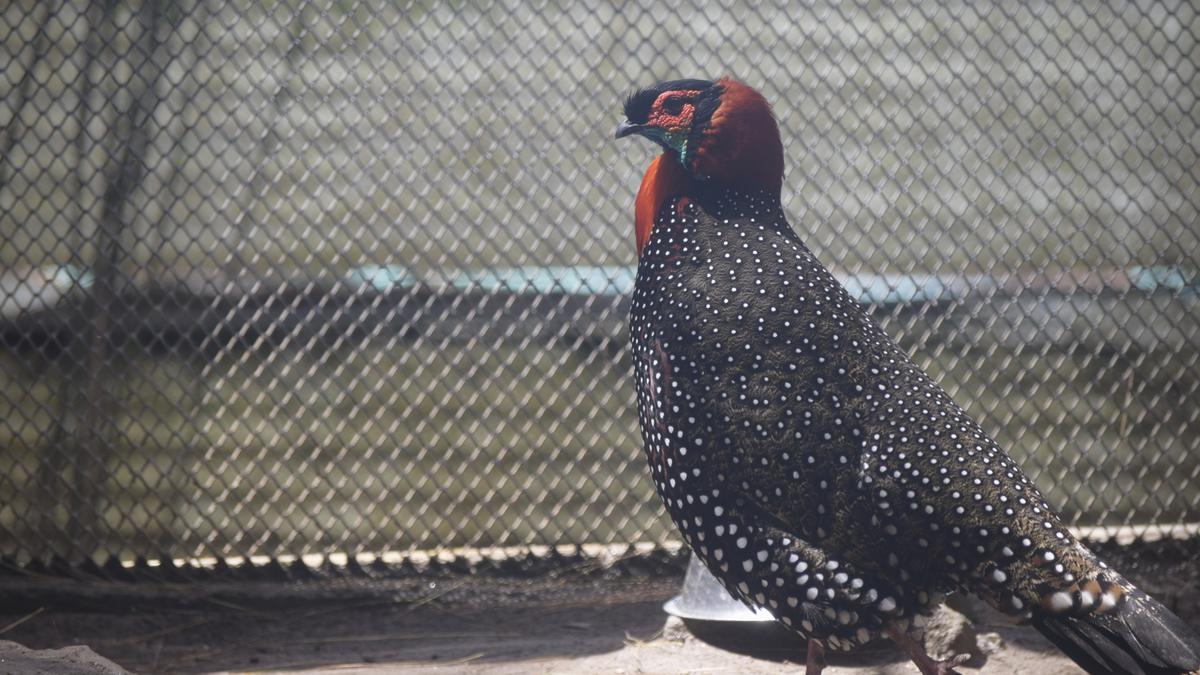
(614,627)
(568,621)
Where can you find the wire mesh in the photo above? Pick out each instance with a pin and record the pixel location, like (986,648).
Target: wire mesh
(301,277)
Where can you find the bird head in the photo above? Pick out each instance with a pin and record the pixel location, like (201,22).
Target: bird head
(673,114)
(721,131)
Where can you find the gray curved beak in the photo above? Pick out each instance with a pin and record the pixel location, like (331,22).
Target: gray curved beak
(626,128)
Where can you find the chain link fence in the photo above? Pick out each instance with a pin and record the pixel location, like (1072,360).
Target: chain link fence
(293,277)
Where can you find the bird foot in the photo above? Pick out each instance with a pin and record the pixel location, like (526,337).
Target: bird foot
(924,662)
(815,663)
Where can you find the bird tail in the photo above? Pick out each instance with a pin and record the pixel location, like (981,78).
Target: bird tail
(1138,636)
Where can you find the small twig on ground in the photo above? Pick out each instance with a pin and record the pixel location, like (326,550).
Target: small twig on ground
(158,633)
(351,606)
(240,608)
(157,653)
(632,641)
(466,659)
(388,637)
(22,620)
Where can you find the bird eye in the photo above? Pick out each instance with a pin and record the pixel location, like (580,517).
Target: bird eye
(673,106)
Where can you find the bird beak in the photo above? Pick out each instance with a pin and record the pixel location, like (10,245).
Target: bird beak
(626,128)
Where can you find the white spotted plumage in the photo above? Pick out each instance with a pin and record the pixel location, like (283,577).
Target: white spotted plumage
(764,388)
(813,467)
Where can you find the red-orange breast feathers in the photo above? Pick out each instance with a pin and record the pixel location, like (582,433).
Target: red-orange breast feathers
(663,180)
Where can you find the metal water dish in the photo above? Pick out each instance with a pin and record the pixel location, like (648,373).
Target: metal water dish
(703,598)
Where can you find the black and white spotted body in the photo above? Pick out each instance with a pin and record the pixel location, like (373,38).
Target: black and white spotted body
(810,464)
(812,467)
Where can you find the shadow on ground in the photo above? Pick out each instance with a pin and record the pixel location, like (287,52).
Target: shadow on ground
(246,627)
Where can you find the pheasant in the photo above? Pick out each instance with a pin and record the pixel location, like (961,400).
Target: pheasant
(808,462)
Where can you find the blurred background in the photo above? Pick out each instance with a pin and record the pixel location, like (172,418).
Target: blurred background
(288,277)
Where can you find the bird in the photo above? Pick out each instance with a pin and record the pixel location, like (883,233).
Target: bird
(809,463)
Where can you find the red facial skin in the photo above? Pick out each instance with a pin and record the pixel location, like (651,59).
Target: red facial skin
(677,123)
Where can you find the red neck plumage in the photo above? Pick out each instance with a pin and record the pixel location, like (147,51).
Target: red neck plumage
(663,180)
(739,149)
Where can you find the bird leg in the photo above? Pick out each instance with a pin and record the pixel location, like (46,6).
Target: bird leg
(925,663)
(815,662)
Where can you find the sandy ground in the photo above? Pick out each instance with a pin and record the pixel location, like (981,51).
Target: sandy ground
(550,620)
(597,627)
(676,650)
